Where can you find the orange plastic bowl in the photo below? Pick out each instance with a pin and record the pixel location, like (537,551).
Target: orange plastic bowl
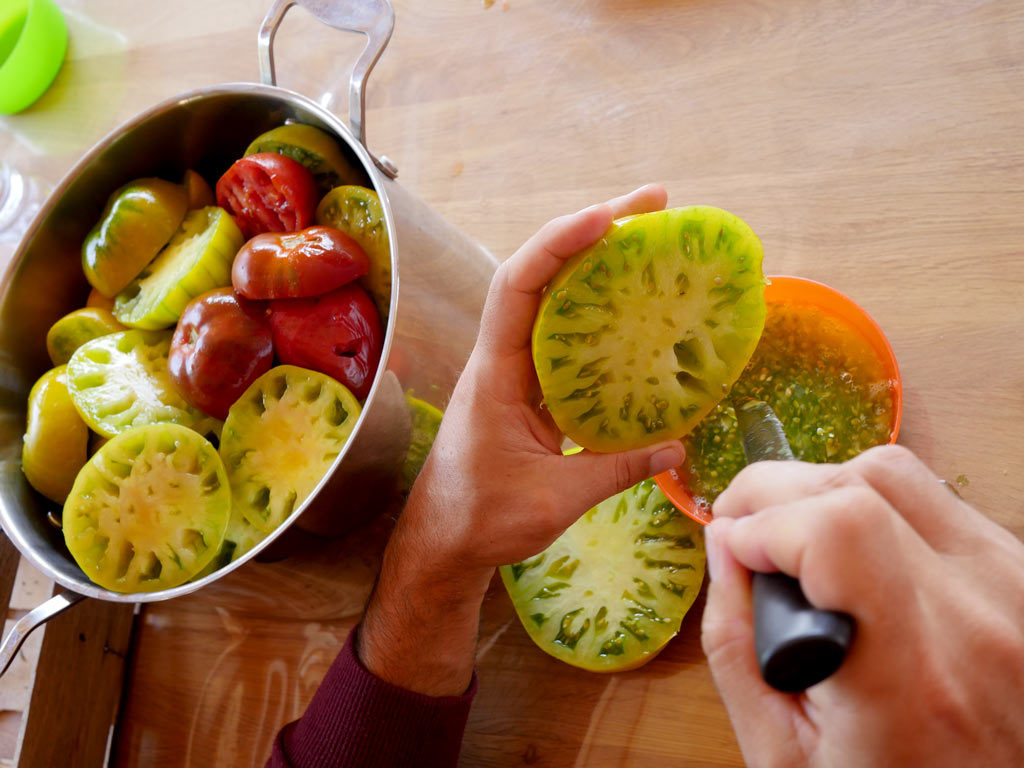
(798,290)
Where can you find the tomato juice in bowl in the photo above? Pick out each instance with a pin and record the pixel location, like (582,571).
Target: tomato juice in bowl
(828,372)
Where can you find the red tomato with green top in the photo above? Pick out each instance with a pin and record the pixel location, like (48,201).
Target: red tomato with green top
(222,344)
(267,192)
(293,266)
(338,333)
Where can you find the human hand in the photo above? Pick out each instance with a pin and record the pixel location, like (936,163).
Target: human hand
(496,488)
(935,675)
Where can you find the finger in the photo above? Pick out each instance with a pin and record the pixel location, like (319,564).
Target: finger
(650,197)
(893,471)
(772,483)
(763,719)
(593,477)
(907,483)
(532,266)
(847,546)
(516,288)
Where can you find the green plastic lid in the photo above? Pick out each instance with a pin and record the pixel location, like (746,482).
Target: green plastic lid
(33,40)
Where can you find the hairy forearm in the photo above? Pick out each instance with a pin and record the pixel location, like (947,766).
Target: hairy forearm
(420,628)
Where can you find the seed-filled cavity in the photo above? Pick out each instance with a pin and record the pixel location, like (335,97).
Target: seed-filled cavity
(124,555)
(193,541)
(150,567)
(336,413)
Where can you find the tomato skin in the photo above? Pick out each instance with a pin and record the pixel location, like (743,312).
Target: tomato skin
(338,333)
(293,266)
(222,344)
(139,219)
(199,193)
(267,192)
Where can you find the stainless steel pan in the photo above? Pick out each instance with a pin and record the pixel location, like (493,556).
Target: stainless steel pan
(440,280)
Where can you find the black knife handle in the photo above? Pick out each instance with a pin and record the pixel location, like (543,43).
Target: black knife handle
(797,644)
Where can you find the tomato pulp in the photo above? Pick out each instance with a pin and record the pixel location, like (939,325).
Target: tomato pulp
(826,385)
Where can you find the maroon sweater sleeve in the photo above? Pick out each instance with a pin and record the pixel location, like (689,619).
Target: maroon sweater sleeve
(357,720)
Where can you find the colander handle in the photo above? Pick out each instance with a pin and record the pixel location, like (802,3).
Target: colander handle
(373,18)
(28,623)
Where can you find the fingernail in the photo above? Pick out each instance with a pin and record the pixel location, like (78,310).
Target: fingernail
(712,551)
(665,459)
(714,541)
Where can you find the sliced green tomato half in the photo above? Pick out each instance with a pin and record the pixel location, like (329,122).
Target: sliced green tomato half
(197,259)
(310,147)
(149,510)
(120,381)
(639,336)
(614,588)
(357,212)
(281,437)
(426,421)
(240,537)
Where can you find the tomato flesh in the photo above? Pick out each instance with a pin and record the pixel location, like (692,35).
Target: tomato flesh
(267,192)
(222,345)
(292,266)
(149,510)
(338,334)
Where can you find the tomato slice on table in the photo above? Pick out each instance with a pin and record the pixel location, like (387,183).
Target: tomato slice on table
(338,334)
(292,266)
(222,345)
(267,192)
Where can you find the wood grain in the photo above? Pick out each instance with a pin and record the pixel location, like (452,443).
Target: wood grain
(872,145)
(78,686)
(9,559)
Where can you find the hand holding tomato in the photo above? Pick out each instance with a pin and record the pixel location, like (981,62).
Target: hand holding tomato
(495,488)
(338,333)
(268,193)
(222,344)
(293,266)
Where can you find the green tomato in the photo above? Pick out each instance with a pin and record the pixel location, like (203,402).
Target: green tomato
(281,437)
(357,212)
(76,328)
(240,537)
(426,421)
(311,147)
(149,509)
(139,219)
(612,590)
(120,381)
(640,335)
(198,259)
(56,438)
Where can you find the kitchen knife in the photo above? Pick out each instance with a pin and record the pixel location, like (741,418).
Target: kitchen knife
(797,644)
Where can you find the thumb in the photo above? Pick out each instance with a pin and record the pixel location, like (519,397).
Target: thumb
(764,720)
(593,477)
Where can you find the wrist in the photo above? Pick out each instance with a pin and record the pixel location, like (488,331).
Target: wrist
(420,627)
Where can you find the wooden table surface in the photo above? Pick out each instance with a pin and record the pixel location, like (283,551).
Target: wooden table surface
(875,145)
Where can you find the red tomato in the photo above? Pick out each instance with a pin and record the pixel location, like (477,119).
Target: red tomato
(292,266)
(222,344)
(267,192)
(338,334)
